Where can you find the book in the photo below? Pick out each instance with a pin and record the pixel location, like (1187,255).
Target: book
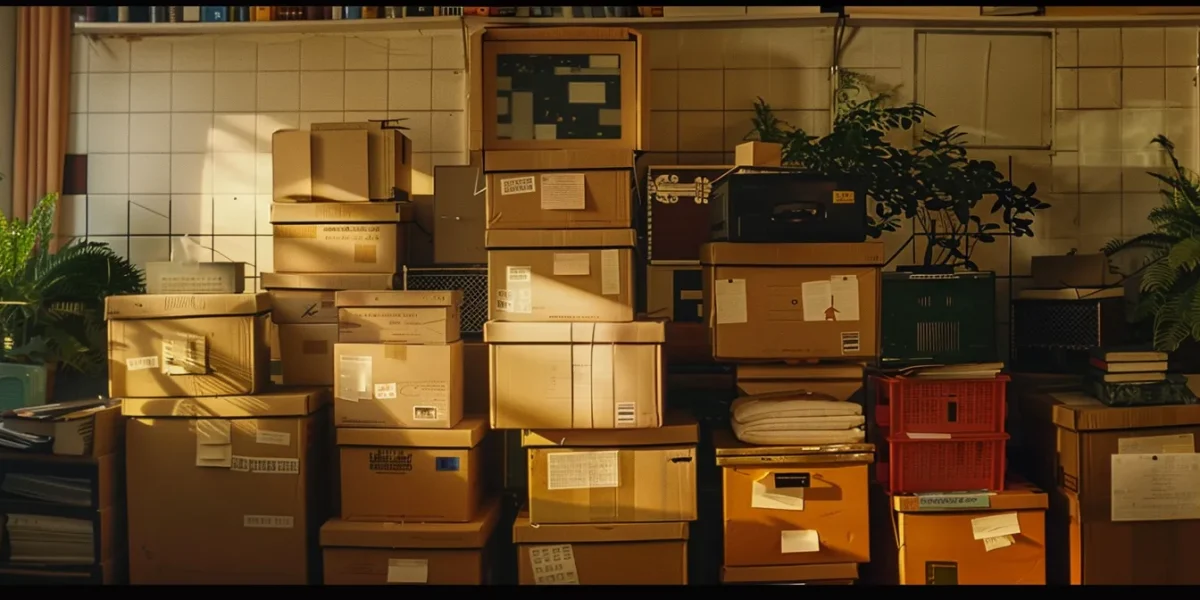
(68,491)
(50,540)
(261,13)
(189,14)
(1128,354)
(1173,390)
(1159,366)
(963,371)
(1071,293)
(215,14)
(1129,377)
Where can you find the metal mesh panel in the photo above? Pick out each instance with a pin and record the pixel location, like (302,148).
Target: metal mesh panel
(1056,324)
(472,282)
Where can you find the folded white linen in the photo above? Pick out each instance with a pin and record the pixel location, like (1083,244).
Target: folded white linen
(799,438)
(805,424)
(750,409)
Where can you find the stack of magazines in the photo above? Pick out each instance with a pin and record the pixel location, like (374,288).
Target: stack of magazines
(1135,377)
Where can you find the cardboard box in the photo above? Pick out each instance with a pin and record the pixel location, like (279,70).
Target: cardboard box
(341,162)
(476,379)
(399,475)
(560,199)
(398,317)
(675,292)
(630,476)
(792,301)
(794,505)
(195,278)
(561,275)
(912,11)
(187,345)
(1073,271)
(244,498)
(601,554)
(298,298)
(360,553)
(576,375)
(306,353)
(339,238)
(398,385)
(835,574)
(758,154)
(831,381)
(622,113)
(459,214)
(1118,11)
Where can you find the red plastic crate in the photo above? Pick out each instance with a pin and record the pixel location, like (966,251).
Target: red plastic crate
(915,405)
(963,463)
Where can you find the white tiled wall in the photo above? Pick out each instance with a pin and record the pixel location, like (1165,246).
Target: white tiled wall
(178,131)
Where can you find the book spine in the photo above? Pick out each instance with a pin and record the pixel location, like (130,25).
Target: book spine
(122,14)
(215,14)
(240,14)
(370,12)
(139,14)
(393,12)
(312,13)
(261,13)
(159,14)
(339,12)
(191,14)
(351,12)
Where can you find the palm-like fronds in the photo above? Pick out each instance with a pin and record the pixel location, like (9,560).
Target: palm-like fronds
(52,303)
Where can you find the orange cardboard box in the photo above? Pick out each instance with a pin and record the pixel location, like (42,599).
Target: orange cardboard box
(601,554)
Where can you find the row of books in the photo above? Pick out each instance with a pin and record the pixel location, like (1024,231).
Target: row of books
(222,14)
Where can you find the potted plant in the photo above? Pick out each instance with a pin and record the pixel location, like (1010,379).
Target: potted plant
(931,309)
(52,303)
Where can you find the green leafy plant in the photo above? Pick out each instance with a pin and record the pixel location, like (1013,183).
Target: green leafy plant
(1170,274)
(52,303)
(935,182)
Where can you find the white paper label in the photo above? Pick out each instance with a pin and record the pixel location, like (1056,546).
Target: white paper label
(354,378)
(995,526)
(817,300)
(185,354)
(273,438)
(268,521)
(583,470)
(572,263)
(1155,487)
(408,570)
(519,274)
(844,289)
(563,191)
(730,297)
(517,185)
(1183,443)
(800,540)
(385,391)
(213,432)
(610,272)
(553,565)
(273,466)
(833,300)
(218,457)
(766,495)
(851,342)
(141,363)
(517,301)
(586,92)
(425,413)
(996,543)
(626,414)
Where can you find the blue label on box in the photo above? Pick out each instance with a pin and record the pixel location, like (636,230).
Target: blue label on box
(446,463)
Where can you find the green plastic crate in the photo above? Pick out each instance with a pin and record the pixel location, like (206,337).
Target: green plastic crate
(938,319)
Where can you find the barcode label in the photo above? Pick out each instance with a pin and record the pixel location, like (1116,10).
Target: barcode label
(518,185)
(851,344)
(277,466)
(141,363)
(626,414)
(268,521)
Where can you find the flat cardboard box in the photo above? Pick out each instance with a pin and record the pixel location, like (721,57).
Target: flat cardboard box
(1072,271)
(601,199)
(834,574)
(614,476)
(244,498)
(841,382)
(794,505)
(362,553)
(561,275)
(401,475)
(576,375)
(398,317)
(398,385)
(341,162)
(338,237)
(164,277)
(601,554)
(792,301)
(298,298)
(306,353)
(187,345)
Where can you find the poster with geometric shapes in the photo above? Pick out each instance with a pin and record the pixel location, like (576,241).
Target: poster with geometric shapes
(558,96)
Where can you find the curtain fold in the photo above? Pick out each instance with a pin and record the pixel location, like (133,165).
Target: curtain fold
(42,104)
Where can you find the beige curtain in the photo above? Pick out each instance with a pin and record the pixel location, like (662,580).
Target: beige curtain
(43,98)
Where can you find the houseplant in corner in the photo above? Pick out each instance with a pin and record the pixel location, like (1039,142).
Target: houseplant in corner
(939,187)
(52,304)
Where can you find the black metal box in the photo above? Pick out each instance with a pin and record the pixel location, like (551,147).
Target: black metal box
(763,204)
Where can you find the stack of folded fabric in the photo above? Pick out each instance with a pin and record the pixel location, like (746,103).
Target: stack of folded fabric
(796,419)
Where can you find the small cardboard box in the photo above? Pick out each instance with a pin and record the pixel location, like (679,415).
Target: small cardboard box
(339,238)
(560,199)
(614,476)
(308,298)
(841,382)
(422,475)
(341,162)
(792,301)
(398,317)
(240,507)
(601,554)
(187,345)
(561,275)
(758,154)
(306,353)
(1072,271)
(576,375)
(398,385)
(369,553)
(195,278)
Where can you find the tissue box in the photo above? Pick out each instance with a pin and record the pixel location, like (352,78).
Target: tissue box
(195,278)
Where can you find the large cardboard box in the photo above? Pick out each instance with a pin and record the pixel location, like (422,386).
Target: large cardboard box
(614,476)
(398,317)
(830,381)
(398,385)
(834,574)
(400,475)
(226,490)
(308,298)
(195,278)
(561,275)
(792,301)
(576,375)
(794,505)
(339,238)
(362,553)
(306,353)
(560,199)
(187,345)
(601,554)
(341,162)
